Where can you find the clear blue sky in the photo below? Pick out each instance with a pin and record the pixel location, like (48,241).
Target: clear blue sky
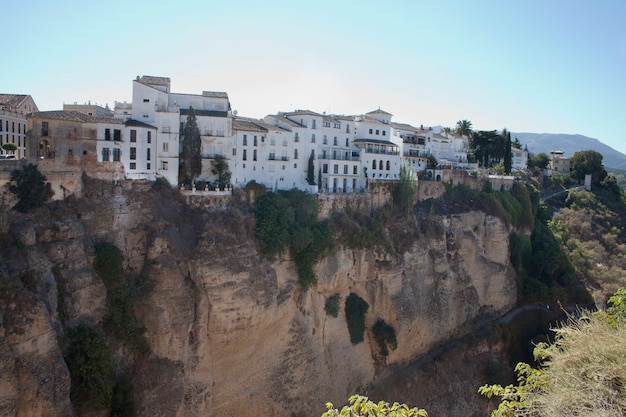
(530,66)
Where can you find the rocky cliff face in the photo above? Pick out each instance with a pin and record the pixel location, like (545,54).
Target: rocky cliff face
(228,332)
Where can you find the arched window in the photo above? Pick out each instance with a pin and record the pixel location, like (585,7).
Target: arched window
(388,166)
(374,164)
(380,165)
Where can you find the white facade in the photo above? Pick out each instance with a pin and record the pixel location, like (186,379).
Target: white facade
(13,111)
(519,159)
(131,144)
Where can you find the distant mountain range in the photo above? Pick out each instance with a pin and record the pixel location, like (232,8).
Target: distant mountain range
(570,144)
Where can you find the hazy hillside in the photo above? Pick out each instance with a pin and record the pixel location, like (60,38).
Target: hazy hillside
(569,144)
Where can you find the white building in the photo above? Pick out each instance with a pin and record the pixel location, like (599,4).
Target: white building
(13,111)
(380,151)
(519,159)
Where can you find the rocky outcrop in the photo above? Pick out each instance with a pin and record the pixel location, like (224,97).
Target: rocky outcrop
(228,332)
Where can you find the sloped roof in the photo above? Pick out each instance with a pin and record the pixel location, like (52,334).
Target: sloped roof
(11,101)
(137,123)
(247,125)
(215,94)
(151,80)
(69,115)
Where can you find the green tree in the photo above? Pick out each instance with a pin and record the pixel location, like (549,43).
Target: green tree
(539,161)
(404,192)
(360,406)
(9,147)
(310,174)
(90,364)
(463,128)
(31,188)
(588,162)
(219,167)
(508,153)
(190,163)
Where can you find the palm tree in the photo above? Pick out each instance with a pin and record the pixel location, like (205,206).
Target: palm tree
(463,128)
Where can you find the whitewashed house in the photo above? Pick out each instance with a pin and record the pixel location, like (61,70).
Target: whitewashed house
(379,150)
(519,159)
(13,111)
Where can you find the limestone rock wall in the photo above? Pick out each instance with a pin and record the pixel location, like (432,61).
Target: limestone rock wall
(231,334)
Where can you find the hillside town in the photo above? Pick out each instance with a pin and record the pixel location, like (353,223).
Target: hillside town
(317,152)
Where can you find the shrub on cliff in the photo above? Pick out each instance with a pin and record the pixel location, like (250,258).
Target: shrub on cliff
(122,295)
(288,220)
(385,336)
(356,309)
(90,364)
(30,187)
(581,373)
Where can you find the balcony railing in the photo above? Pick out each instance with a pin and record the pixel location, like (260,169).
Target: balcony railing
(416,153)
(278,158)
(381,151)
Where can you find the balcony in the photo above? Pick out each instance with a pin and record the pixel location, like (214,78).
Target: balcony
(212,156)
(273,157)
(381,151)
(416,153)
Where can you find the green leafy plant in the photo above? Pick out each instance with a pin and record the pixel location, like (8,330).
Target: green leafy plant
(89,361)
(122,295)
(31,188)
(385,336)
(332,305)
(356,309)
(360,406)
(287,220)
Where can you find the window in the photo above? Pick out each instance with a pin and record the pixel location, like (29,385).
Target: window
(284,142)
(105,154)
(354,170)
(377,131)
(133,135)
(148,165)
(234,151)
(117,134)
(245,140)
(347,128)
(313,124)
(336,169)
(116,155)
(146,100)
(335,141)
(133,153)
(255,141)
(388,165)
(313,138)
(384,133)
(245,155)
(325,141)
(370,131)
(295,154)
(148,154)
(0,125)
(326,124)
(254,155)
(70,152)
(272,156)
(325,168)
(347,142)
(19,128)
(107,134)
(133,165)
(345,169)
(166,146)
(164,165)
(149,137)
(297,139)
(380,165)
(374,164)
(44,128)
(337,126)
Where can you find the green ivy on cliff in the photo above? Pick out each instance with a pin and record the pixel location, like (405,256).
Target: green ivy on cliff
(356,309)
(287,220)
(122,295)
(90,363)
